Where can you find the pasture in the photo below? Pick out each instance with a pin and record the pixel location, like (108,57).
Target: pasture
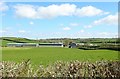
(49,55)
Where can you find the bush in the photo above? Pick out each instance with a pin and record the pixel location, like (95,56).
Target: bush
(73,69)
(102,46)
(110,47)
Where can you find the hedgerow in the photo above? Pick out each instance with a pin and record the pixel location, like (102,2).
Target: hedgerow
(72,69)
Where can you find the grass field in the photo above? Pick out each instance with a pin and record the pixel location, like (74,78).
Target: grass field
(49,55)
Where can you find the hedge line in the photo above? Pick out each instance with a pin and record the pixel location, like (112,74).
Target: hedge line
(109,47)
(73,69)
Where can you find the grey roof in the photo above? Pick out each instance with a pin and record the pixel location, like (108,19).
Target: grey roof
(21,43)
(34,43)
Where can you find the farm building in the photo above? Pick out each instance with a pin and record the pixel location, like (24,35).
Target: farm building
(51,45)
(72,45)
(35,45)
(22,44)
(81,44)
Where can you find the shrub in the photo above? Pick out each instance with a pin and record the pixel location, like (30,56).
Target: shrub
(73,69)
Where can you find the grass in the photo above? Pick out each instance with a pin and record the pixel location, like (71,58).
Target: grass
(4,42)
(49,55)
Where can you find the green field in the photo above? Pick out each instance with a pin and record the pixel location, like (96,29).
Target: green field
(49,55)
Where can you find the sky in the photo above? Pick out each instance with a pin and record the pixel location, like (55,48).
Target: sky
(39,20)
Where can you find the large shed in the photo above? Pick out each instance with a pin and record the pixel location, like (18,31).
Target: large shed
(51,45)
(35,44)
(22,44)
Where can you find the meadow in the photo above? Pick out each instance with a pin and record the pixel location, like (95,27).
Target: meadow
(49,55)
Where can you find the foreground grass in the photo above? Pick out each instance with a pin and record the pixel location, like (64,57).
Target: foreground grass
(49,55)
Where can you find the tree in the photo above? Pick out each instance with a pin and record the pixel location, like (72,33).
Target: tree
(67,41)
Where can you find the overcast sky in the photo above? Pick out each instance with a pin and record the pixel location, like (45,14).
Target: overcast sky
(59,19)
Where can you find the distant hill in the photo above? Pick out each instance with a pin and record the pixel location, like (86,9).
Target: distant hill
(5,40)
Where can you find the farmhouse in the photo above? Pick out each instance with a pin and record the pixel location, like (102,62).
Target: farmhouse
(34,45)
(72,45)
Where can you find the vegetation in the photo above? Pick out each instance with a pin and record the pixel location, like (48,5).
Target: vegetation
(66,41)
(5,40)
(101,46)
(60,62)
(72,69)
(49,55)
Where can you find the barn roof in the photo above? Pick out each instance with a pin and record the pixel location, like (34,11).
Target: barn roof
(34,43)
(21,43)
(50,43)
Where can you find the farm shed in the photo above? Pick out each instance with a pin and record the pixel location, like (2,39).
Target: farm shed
(72,45)
(34,45)
(81,44)
(22,44)
(51,45)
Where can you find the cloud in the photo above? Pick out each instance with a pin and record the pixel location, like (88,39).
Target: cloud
(69,26)
(108,34)
(27,11)
(3,31)
(74,24)
(95,34)
(31,23)
(110,20)
(30,11)
(22,31)
(3,6)
(104,33)
(89,11)
(66,28)
(88,26)
(56,10)
(82,31)
(52,11)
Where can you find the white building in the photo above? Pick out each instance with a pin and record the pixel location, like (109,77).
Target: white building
(35,45)
(22,44)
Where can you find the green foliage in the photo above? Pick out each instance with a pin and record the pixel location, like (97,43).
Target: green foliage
(67,41)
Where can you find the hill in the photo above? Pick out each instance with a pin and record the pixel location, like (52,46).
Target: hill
(5,40)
